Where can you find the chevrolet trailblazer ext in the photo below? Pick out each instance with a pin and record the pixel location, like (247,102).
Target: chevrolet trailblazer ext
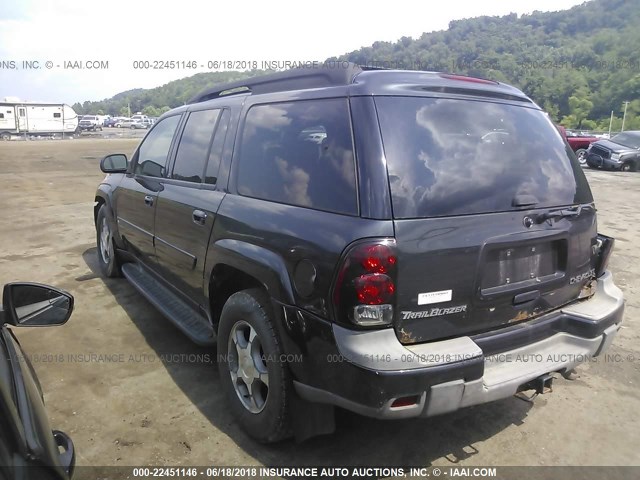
(363,239)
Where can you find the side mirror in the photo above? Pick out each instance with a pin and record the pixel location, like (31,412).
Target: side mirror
(35,305)
(115,163)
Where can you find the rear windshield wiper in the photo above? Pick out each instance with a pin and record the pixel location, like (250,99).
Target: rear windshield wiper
(564,213)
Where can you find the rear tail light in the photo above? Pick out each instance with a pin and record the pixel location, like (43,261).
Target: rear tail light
(365,289)
(602,248)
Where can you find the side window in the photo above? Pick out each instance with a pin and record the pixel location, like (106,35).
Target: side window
(215,156)
(154,150)
(194,146)
(21,112)
(56,115)
(300,153)
(1,115)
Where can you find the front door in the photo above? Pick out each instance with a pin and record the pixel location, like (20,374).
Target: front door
(136,197)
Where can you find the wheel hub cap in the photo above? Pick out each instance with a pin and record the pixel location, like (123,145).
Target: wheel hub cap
(247,367)
(105,241)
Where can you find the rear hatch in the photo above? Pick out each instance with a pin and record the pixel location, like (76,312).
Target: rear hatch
(494,219)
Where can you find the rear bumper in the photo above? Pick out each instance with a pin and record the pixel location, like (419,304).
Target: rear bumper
(444,376)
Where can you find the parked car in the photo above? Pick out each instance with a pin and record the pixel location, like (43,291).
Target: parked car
(110,122)
(370,240)
(132,124)
(579,143)
(90,122)
(622,152)
(138,116)
(143,119)
(29,448)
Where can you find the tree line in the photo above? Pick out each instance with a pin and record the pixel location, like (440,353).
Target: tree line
(578,64)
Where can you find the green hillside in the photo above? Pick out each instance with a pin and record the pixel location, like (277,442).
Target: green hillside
(155,101)
(579,64)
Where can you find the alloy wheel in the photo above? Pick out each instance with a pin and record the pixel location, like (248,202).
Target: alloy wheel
(247,367)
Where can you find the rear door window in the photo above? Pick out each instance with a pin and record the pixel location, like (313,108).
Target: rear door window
(300,153)
(458,157)
(215,155)
(194,146)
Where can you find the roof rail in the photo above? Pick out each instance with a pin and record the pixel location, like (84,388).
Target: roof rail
(326,74)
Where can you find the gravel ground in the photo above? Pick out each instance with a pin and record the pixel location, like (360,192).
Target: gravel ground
(149,396)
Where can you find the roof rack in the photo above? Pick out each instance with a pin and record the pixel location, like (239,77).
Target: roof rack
(326,74)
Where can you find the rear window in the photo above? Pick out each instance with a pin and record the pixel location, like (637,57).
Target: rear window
(458,157)
(300,153)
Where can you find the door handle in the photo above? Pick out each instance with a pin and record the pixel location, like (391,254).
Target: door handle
(199,217)
(148,200)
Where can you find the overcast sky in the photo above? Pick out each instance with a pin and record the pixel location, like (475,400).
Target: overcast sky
(123,31)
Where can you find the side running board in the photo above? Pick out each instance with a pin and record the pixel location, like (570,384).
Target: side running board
(181,314)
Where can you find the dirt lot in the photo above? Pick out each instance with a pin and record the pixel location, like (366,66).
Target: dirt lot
(149,396)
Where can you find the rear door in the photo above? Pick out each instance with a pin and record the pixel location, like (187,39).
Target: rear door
(135,198)
(472,183)
(189,201)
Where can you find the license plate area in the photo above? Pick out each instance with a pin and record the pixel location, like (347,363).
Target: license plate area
(512,268)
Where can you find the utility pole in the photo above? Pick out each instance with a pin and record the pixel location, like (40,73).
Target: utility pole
(610,123)
(624,116)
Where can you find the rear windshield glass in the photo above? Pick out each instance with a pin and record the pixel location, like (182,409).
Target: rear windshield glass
(458,157)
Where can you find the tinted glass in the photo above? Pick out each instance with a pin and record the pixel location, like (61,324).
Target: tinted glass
(627,139)
(216,148)
(456,157)
(194,146)
(300,153)
(152,154)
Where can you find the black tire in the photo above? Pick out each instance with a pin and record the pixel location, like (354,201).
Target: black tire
(107,258)
(246,311)
(626,167)
(581,155)
(133,127)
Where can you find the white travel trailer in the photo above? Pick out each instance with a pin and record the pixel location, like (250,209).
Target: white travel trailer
(35,118)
